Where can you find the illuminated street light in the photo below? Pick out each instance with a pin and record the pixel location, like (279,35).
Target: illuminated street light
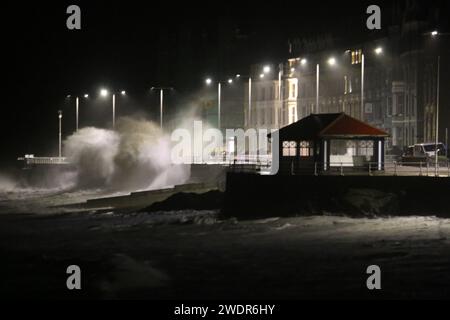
(292,69)
(303,62)
(238,76)
(230,81)
(266,69)
(379,50)
(261,76)
(77,107)
(161,102)
(219,99)
(434,33)
(104,93)
(332,62)
(60,115)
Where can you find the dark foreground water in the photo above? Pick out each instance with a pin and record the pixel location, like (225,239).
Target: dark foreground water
(190,255)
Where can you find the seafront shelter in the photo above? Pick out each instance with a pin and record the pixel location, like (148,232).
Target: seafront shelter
(326,143)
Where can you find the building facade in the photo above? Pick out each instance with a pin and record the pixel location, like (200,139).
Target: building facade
(398,75)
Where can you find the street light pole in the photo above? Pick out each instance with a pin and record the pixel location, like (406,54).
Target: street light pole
(219,97)
(114,110)
(280,97)
(161,104)
(60,133)
(77,107)
(249,101)
(362,86)
(317,87)
(437,116)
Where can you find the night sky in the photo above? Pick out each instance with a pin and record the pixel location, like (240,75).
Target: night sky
(134,45)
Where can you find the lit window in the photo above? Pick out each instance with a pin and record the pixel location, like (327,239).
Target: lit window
(306,149)
(357,56)
(289,149)
(351,148)
(365,148)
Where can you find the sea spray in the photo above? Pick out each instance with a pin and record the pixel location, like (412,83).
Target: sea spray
(134,157)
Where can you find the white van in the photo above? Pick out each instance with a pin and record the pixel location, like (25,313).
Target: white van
(424,151)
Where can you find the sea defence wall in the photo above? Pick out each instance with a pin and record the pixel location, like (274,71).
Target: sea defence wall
(250,196)
(138,200)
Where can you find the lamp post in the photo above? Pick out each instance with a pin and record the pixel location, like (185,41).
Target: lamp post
(378,51)
(317,87)
(437,117)
(60,133)
(435,34)
(161,102)
(362,85)
(219,99)
(266,70)
(331,62)
(104,93)
(77,109)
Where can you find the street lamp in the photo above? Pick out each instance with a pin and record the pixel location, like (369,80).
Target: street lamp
(60,133)
(219,100)
(437,116)
(209,82)
(434,33)
(331,62)
(238,76)
(161,102)
(378,51)
(266,69)
(77,109)
(104,93)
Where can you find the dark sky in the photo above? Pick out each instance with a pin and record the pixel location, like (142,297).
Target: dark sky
(137,44)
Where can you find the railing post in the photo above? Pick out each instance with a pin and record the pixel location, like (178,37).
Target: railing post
(438,172)
(370,169)
(315,169)
(428,168)
(421,168)
(395,168)
(448,168)
(342,170)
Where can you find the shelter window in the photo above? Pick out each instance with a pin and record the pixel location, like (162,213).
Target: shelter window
(306,149)
(366,148)
(289,149)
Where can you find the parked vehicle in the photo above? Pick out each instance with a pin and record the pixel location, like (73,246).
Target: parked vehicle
(424,153)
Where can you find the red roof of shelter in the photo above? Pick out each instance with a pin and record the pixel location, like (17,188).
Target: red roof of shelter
(329,125)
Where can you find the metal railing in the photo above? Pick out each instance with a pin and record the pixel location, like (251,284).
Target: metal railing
(29,161)
(394,168)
